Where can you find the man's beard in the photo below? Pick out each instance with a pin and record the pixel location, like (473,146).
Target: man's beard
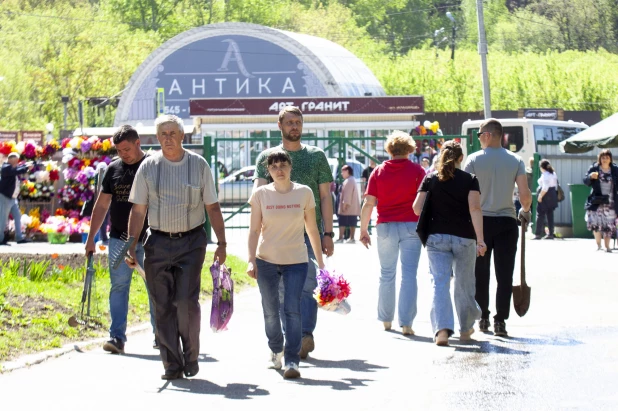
(289,137)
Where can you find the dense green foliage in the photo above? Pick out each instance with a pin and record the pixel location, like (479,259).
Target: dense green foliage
(543,53)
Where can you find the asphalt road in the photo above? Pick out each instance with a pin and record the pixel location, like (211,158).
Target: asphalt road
(560,356)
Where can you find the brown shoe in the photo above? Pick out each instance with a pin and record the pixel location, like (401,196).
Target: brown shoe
(407,330)
(442,338)
(466,335)
(307,345)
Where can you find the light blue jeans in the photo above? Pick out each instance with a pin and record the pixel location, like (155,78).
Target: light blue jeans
(119,292)
(16,214)
(394,238)
(10,206)
(451,254)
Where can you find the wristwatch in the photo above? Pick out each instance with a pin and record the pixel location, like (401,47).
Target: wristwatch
(331,234)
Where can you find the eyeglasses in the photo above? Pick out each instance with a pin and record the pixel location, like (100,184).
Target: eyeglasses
(480,133)
(282,167)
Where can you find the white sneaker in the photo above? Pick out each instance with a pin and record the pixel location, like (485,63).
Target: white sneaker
(276,358)
(291,371)
(351,241)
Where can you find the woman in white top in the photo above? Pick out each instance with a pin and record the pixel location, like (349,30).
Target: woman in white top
(280,213)
(547,197)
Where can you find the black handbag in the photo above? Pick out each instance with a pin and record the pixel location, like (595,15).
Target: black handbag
(424,220)
(598,200)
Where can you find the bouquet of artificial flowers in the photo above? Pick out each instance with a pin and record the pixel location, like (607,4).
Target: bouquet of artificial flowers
(222,297)
(332,291)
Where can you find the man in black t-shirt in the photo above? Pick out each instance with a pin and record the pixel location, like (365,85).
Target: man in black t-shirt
(114,196)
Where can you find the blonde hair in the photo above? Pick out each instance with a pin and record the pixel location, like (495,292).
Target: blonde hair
(399,143)
(450,153)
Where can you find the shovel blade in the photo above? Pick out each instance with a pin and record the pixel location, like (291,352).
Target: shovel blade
(521,299)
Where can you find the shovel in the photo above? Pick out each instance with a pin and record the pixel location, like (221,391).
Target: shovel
(521,293)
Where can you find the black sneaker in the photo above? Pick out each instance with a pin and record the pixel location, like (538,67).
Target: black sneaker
(172,375)
(114,345)
(549,237)
(484,325)
(24,241)
(191,369)
(500,329)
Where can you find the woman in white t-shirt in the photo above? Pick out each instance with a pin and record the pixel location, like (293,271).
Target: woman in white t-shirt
(280,213)
(547,197)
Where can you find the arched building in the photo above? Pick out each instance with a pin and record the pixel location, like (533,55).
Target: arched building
(240,60)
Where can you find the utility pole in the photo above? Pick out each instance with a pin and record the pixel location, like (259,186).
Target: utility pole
(483,52)
(449,15)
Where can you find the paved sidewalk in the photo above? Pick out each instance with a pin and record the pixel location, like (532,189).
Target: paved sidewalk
(560,356)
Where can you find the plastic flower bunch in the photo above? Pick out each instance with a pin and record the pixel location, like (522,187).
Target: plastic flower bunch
(83,225)
(332,291)
(50,148)
(7,147)
(57,224)
(30,151)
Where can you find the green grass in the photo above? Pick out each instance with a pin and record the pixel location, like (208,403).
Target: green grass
(35,306)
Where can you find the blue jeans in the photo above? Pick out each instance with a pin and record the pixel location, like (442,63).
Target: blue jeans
(451,254)
(308,304)
(119,292)
(394,238)
(293,277)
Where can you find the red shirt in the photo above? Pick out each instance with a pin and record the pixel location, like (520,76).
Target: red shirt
(395,183)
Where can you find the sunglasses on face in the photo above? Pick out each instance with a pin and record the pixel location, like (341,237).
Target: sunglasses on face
(480,133)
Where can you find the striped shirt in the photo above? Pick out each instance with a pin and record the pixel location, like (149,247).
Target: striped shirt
(175,192)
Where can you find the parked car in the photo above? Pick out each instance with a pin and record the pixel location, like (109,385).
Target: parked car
(236,188)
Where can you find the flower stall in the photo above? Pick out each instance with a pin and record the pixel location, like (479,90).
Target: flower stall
(61,185)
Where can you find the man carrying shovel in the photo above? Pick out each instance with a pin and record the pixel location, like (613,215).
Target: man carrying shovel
(498,170)
(114,196)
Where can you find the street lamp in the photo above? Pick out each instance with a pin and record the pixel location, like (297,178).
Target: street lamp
(449,16)
(49,137)
(437,42)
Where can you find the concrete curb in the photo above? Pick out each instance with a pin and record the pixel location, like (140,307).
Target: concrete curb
(28,360)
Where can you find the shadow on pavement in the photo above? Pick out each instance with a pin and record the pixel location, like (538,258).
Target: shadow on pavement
(485,347)
(156,357)
(544,341)
(231,391)
(353,365)
(344,385)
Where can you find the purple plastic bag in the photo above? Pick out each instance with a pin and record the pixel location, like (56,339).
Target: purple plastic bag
(222,297)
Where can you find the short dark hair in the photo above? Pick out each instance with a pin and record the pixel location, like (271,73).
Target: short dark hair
(125,133)
(492,126)
(292,110)
(348,169)
(277,156)
(605,152)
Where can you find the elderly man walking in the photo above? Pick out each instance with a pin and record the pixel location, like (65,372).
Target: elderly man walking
(173,186)
(498,170)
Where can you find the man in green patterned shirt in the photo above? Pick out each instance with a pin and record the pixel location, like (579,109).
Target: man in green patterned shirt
(309,167)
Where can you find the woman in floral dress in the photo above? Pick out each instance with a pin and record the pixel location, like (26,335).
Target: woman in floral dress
(602,204)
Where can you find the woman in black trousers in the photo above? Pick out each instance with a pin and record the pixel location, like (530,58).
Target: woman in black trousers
(547,198)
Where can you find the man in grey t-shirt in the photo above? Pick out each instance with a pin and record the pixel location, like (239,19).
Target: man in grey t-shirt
(498,170)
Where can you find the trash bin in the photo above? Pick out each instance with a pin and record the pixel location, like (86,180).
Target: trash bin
(579,193)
